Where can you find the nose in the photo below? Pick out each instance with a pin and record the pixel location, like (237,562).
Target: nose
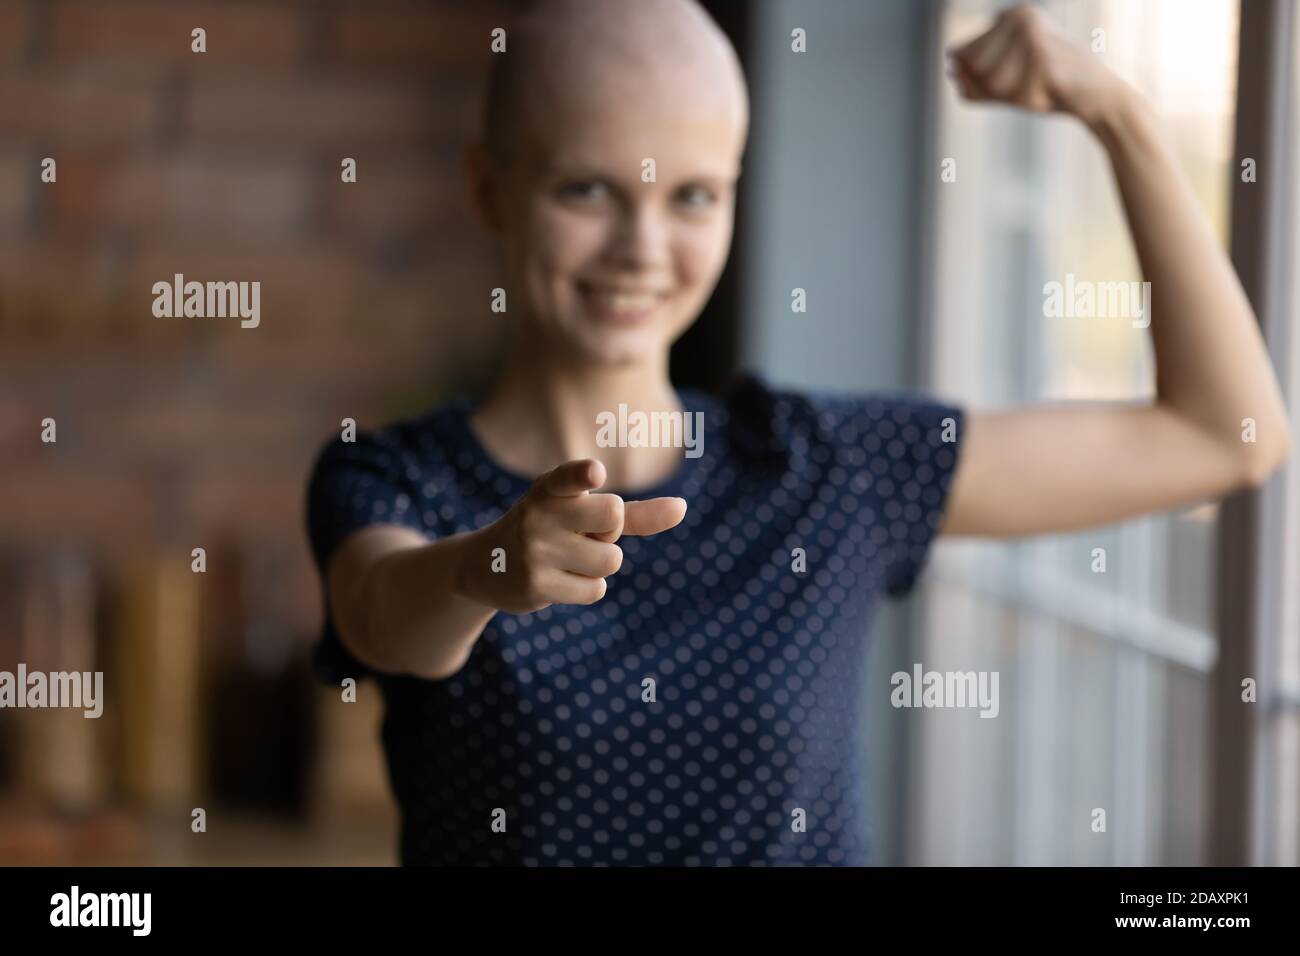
(640,238)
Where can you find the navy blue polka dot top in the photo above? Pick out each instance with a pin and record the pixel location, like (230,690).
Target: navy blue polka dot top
(708,710)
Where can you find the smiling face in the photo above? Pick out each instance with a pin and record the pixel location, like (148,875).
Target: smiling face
(616,204)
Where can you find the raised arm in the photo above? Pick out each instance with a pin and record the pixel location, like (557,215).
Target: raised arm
(1061,467)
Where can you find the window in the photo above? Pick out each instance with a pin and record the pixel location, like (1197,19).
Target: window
(1103,675)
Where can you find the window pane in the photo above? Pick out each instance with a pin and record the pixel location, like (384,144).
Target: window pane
(1110,667)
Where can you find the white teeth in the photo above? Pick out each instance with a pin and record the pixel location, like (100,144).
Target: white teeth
(623,301)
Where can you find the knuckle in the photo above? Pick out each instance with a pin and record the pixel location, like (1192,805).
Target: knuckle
(531,582)
(613,560)
(534,550)
(532,525)
(612,512)
(1025,15)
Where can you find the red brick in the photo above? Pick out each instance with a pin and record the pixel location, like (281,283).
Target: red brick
(219,196)
(248,503)
(218,430)
(21,414)
(43,267)
(79,200)
(69,299)
(93,508)
(414,195)
(404,35)
(303,286)
(322,359)
(82,105)
(147,453)
(159,31)
(343,113)
(105,332)
(321,315)
(19,179)
(296,266)
(13,30)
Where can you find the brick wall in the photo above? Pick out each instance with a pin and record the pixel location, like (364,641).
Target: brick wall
(225,166)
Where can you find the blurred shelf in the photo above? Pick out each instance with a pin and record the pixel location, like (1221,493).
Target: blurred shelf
(118,839)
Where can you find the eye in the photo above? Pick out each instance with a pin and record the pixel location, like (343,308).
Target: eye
(697,197)
(584,190)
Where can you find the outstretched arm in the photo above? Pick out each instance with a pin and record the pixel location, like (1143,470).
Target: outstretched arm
(1060,467)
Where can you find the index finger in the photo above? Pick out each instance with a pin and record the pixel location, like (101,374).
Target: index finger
(653,515)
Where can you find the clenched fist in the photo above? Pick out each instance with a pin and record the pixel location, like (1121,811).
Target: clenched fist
(558,541)
(1022,61)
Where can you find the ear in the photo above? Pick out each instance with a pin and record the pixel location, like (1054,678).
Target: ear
(483,182)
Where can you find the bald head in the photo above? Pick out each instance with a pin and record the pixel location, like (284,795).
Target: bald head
(567,55)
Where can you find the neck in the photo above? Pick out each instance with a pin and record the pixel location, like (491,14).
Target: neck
(542,410)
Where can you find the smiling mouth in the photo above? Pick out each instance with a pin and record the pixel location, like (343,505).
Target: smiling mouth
(620,305)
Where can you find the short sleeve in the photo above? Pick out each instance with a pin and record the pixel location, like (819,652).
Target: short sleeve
(913,446)
(353,485)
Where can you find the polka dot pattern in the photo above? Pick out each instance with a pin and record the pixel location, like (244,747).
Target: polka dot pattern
(749,620)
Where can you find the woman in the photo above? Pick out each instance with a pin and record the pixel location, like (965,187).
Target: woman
(627,654)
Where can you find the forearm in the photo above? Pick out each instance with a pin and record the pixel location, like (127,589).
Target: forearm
(418,620)
(1212,366)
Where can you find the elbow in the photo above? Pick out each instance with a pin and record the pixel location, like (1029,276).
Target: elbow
(367,622)
(1264,460)
(357,643)
(393,655)
(441,670)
